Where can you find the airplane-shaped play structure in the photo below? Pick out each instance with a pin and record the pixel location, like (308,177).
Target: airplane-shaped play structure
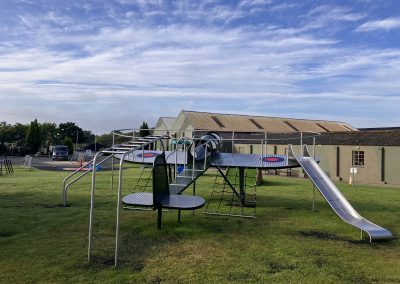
(175,170)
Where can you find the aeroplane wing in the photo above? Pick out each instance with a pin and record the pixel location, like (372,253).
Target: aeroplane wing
(252,161)
(217,159)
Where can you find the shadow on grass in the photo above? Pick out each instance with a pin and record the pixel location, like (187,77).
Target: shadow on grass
(360,242)
(133,252)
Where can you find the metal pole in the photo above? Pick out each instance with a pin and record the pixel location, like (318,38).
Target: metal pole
(193,160)
(112,166)
(352,180)
(262,153)
(205,156)
(233,137)
(176,158)
(301,144)
(118,209)
(266,142)
(313,149)
(91,207)
(76,145)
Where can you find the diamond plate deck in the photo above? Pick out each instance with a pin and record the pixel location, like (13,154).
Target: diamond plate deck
(219,159)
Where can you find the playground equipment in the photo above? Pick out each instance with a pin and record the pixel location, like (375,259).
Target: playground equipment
(335,198)
(223,201)
(174,171)
(7,165)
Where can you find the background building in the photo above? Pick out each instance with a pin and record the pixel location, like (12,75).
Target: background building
(375,152)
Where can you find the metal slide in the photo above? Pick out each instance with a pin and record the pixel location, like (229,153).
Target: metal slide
(336,199)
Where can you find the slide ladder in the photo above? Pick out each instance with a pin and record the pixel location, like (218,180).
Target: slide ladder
(335,198)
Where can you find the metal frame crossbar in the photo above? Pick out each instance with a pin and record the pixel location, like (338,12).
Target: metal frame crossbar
(106,154)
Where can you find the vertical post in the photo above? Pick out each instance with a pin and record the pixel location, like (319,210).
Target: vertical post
(233,143)
(266,142)
(383,164)
(76,145)
(118,209)
(184,151)
(176,158)
(112,166)
(194,160)
(92,207)
(301,144)
(205,156)
(241,186)
(313,148)
(262,153)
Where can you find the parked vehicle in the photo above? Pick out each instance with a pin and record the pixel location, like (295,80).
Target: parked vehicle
(60,152)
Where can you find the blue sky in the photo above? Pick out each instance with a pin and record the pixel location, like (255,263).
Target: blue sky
(112,64)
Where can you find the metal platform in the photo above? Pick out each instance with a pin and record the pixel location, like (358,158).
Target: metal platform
(218,159)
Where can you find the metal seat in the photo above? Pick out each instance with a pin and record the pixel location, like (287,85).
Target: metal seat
(161,197)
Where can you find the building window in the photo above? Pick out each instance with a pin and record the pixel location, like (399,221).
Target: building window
(358,158)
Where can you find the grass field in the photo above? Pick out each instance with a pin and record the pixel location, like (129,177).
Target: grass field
(287,242)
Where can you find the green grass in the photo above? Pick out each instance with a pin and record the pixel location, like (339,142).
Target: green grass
(287,242)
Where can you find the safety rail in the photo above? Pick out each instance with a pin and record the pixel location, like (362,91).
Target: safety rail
(122,159)
(180,147)
(110,152)
(67,185)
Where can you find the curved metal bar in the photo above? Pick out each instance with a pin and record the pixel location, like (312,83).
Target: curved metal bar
(66,186)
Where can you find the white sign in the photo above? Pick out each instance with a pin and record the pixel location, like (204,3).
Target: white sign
(353,170)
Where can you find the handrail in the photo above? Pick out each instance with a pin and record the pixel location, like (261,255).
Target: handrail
(122,160)
(65,188)
(93,161)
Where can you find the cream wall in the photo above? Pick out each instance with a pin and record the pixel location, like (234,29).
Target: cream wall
(370,173)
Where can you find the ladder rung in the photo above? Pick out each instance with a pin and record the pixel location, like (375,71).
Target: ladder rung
(136,142)
(122,148)
(113,152)
(184,176)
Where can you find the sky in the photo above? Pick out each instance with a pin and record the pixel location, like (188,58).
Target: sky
(112,64)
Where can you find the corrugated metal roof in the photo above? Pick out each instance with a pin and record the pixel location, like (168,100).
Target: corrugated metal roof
(360,138)
(163,124)
(168,121)
(248,123)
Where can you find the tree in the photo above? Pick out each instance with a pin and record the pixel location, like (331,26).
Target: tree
(70,129)
(12,133)
(33,137)
(105,139)
(49,131)
(3,149)
(70,144)
(88,137)
(144,129)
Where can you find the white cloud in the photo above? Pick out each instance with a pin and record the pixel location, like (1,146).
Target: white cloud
(386,24)
(137,70)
